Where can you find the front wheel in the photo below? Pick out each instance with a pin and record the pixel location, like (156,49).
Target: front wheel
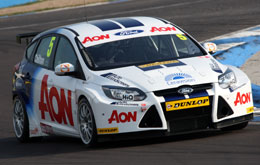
(235,127)
(87,125)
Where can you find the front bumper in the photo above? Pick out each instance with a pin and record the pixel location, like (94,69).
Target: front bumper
(151,114)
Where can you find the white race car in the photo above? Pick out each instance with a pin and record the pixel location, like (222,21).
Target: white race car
(124,76)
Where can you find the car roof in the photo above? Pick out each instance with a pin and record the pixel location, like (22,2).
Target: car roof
(105,30)
(98,26)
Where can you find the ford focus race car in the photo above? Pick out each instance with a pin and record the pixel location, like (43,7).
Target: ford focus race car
(123,76)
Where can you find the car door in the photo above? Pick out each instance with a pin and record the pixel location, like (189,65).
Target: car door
(54,95)
(42,81)
(63,93)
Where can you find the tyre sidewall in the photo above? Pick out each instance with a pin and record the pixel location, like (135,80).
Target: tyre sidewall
(93,141)
(25,132)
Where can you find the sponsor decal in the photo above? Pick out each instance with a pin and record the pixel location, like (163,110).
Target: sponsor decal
(122,117)
(143,107)
(250,109)
(39,59)
(207,56)
(179,78)
(107,130)
(187,103)
(95,38)
(128,32)
(158,65)
(123,104)
(127,97)
(34,131)
(214,66)
(162,29)
(211,47)
(64,111)
(115,78)
(65,67)
(46,128)
(242,98)
(27,82)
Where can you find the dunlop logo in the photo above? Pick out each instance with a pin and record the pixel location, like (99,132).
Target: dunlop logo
(158,63)
(250,110)
(107,130)
(187,103)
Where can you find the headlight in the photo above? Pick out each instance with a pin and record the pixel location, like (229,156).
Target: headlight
(126,94)
(227,79)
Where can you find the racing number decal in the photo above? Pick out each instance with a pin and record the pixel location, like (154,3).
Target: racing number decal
(181,37)
(64,106)
(50,46)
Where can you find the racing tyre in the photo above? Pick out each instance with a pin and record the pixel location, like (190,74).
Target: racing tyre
(87,124)
(20,120)
(235,127)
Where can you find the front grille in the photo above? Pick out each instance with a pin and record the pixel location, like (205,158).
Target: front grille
(174,91)
(189,119)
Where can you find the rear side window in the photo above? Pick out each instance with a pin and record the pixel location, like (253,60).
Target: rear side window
(44,51)
(29,50)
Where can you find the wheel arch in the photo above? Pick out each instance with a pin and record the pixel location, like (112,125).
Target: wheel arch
(83,96)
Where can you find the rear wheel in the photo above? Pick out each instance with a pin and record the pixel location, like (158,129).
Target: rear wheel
(20,120)
(235,127)
(87,125)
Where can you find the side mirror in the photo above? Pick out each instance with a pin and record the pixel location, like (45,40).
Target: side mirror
(210,47)
(64,69)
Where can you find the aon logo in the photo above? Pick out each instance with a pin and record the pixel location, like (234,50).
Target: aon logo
(64,105)
(242,98)
(122,117)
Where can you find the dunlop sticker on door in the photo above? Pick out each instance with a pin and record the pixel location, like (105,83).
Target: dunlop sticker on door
(187,103)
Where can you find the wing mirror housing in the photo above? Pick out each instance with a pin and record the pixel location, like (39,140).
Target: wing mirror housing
(64,69)
(210,47)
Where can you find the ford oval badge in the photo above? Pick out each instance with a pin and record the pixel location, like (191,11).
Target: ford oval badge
(129,32)
(185,90)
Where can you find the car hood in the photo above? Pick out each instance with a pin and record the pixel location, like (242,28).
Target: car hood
(163,75)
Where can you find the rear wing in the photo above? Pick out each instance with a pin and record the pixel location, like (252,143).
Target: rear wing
(27,36)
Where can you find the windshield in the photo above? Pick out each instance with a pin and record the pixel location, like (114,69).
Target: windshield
(142,50)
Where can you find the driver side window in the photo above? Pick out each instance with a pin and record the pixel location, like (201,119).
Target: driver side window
(65,53)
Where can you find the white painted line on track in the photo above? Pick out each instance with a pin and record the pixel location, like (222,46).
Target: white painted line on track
(152,8)
(230,34)
(102,15)
(39,24)
(254,123)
